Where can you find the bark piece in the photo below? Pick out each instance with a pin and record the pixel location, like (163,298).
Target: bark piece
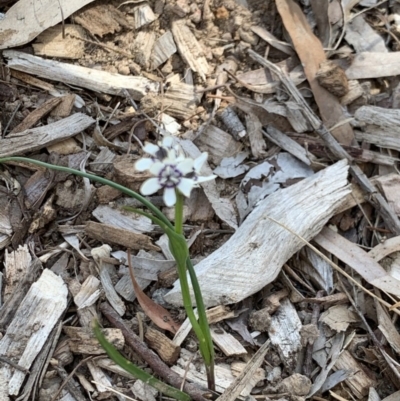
(38,138)
(64,109)
(143,15)
(26,20)
(331,77)
(359,382)
(218,143)
(32,118)
(101,19)
(16,265)
(52,43)
(120,236)
(163,49)
(75,75)
(36,316)
(168,351)
(83,341)
(374,65)
(284,332)
(363,37)
(304,207)
(189,48)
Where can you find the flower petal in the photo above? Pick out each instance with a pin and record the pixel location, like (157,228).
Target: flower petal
(144,164)
(185,166)
(199,161)
(156,167)
(169,197)
(150,186)
(185,186)
(151,149)
(167,142)
(199,180)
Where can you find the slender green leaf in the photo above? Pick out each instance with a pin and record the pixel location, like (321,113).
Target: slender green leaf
(136,371)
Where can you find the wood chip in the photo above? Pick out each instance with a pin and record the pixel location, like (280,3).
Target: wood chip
(189,48)
(52,43)
(21,24)
(242,257)
(165,348)
(89,78)
(38,138)
(42,307)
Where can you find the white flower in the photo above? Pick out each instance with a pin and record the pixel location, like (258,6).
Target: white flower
(172,170)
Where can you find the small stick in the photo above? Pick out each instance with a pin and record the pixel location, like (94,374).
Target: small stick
(154,361)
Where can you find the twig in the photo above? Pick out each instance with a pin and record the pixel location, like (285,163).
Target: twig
(375,198)
(153,360)
(309,351)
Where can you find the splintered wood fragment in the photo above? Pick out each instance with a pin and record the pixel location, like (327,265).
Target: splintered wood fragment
(355,91)
(101,19)
(244,382)
(143,46)
(99,254)
(98,81)
(304,207)
(16,265)
(284,332)
(219,313)
(143,15)
(32,118)
(85,296)
(359,382)
(165,348)
(218,143)
(163,49)
(33,321)
(288,144)
(189,48)
(117,218)
(64,109)
(119,236)
(226,342)
(22,23)
(180,100)
(52,43)
(38,138)
(374,65)
(83,341)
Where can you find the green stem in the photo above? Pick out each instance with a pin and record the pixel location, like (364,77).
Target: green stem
(203,321)
(93,177)
(179,213)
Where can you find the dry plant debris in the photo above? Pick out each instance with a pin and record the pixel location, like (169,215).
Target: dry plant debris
(297,104)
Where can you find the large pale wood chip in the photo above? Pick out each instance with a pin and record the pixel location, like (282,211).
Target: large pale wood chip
(374,65)
(98,81)
(38,138)
(255,254)
(27,19)
(189,48)
(33,322)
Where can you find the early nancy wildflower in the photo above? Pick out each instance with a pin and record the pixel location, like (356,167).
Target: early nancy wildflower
(172,170)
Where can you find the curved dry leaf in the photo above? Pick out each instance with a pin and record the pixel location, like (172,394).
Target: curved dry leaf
(158,315)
